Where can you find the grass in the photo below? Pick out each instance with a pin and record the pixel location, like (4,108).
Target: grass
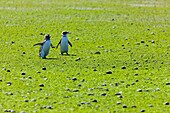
(131,34)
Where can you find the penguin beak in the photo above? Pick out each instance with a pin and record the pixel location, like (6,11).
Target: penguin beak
(68,33)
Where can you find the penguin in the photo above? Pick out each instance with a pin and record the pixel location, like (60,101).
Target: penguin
(44,46)
(64,42)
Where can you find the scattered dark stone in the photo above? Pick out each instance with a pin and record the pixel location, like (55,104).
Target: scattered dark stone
(120,96)
(108,72)
(119,93)
(123,67)
(23,52)
(122,81)
(42,33)
(23,73)
(142,110)
(95,70)
(135,68)
(135,74)
(113,66)
(43,68)
(21,112)
(9,83)
(116,84)
(133,106)
(33,100)
(79,85)
(152,33)
(41,85)
(83,103)
(75,90)
(77,59)
(127,85)
(124,106)
(168,83)
(90,94)
(82,80)
(38,72)
(8,70)
(26,100)
(113,19)
(146,45)
(103,94)
(152,41)
(133,84)
(12,42)
(150,105)
(142,41)
(104,84)
(97,52)
(166,103)
(74,78)
(49,107)
(0,80)
(139,90)
(118,103)
(137,80)
(94,100)
(137,43)
(106,89)
(29,77)
(136,62)
(6,110)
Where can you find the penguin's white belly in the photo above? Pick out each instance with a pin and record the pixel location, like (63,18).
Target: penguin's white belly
(45,48)
(64,45)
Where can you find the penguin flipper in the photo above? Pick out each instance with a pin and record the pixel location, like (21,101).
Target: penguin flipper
(38,44)
(58,44)
(69,43)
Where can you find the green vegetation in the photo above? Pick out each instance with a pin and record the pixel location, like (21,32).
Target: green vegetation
(119,61)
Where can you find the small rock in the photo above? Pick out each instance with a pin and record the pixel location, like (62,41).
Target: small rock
(94,100)
(142,110)
(119,93)
(139,90)
(152,41)
(166,103)
(113,66)
(135,68)
(103,94)
(124,106)
(104,84)
(9,83)
(23,73)
(118,103)
(49,107)
(133,106)
(90,94)
(43,68)
(168,83)
(123,67)
(150,105)
(78,59)
(41,85)
(108,72)
(97,52)
(137,43)
(26,100)
(8,70)
(75,90)
(142,41)
(116,84)
(74,78)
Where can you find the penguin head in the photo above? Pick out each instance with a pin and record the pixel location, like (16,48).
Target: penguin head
(65,33)
(47,37)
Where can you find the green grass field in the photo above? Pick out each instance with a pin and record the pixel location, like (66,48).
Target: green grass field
(119,62)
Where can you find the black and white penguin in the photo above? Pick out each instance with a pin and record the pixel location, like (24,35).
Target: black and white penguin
(44,46)
(64,43)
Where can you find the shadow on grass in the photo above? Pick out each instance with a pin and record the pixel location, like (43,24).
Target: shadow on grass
(67,55)
(52,59)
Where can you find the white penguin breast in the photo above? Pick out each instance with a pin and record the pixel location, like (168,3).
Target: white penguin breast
(46,46)
(64,44)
